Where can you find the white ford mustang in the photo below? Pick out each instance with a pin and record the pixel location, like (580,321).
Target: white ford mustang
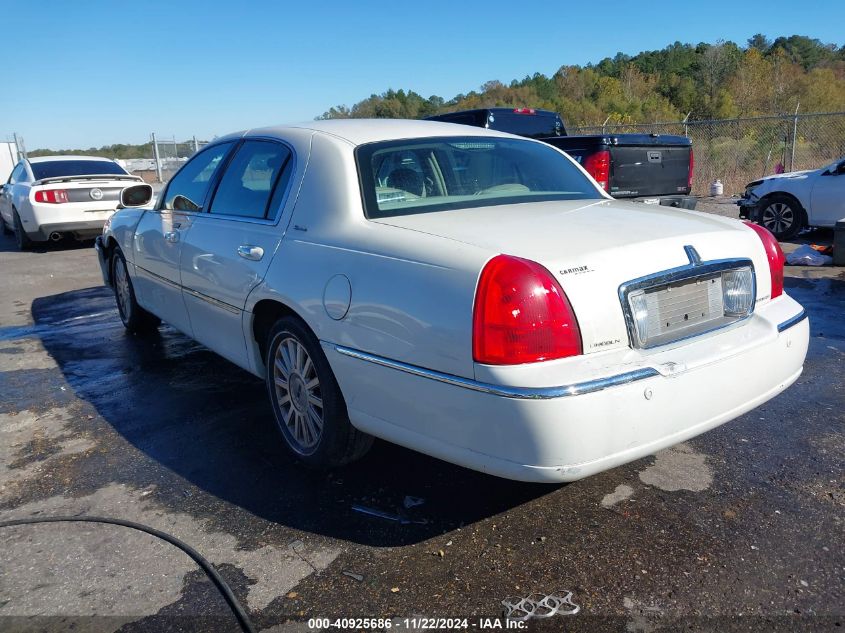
(465,293)
(49,197)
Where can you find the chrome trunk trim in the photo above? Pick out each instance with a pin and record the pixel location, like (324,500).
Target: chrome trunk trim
(696,268)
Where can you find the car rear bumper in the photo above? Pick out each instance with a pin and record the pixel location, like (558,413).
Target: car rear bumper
(81,230)
(680,202)
(573,431)
(83,221)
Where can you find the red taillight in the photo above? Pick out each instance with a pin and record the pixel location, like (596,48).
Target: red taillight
(775,256)
(524,111)
(598,166)
(52,196)
(521,315)
(691,165)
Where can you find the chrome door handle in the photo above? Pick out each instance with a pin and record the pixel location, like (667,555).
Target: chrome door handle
(248,251)
(171,236)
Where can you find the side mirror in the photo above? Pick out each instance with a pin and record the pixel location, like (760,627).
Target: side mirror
(135,196)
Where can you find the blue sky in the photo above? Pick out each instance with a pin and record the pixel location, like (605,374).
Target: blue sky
(89,73)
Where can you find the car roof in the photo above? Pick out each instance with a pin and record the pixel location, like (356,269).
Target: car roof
(360,131)
(44,159)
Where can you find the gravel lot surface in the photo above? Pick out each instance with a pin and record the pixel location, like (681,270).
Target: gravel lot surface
(739,529)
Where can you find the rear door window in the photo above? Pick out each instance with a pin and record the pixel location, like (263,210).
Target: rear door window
(188,188)
(257,169)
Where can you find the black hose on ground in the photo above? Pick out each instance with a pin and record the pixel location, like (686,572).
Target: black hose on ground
(207,567)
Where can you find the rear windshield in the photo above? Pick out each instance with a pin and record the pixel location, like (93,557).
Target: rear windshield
(440,174)
(59,168)
(530,125)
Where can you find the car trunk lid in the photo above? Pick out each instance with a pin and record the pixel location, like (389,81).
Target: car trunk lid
(595,247)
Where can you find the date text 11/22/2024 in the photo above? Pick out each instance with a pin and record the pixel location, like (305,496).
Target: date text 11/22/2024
(416,624)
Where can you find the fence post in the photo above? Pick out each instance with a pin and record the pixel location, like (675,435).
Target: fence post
(686,125)
(196,145)
(19,146)
(603,125)
(155,155)
(794,137)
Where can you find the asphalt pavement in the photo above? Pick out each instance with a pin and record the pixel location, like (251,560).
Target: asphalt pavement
(739,529)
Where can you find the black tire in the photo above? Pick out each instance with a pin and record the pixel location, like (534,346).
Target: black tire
(21,238)
(135,318)
(337,442)
(782,215)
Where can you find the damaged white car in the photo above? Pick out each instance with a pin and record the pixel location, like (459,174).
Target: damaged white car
(787,203)
(466,293)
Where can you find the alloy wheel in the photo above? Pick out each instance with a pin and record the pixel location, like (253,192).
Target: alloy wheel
(778,217)
(122,290)
(298,395)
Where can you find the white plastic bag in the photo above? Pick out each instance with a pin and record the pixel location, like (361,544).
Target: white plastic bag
(806,256)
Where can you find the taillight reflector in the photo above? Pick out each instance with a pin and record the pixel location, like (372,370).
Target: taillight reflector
(521,315)
(524,111)
(598,166)
(774,255)
(51,196)
(691,165)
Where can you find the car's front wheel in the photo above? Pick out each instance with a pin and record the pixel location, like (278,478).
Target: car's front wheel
(309,408)
(134,317)
(782,215)
(21,238)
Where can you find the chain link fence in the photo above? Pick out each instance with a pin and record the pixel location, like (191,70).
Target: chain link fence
(166,156)
(737,151)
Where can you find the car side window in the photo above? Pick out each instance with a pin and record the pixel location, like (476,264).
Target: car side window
(257,169)
(188,188)
(18,175)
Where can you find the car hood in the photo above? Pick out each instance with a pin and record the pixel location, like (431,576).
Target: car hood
(593,247)
(792,175)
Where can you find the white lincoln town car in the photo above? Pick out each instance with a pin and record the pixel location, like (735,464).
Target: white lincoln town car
(465,293)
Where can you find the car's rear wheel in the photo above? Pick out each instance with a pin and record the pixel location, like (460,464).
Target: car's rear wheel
(134,317)
(783,216)
(21,238)
(309,408)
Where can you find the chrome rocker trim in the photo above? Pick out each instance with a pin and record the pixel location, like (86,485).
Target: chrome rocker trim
(522,393)
(793,321)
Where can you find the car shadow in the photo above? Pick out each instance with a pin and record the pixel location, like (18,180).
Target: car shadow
(8,245)
(209,422)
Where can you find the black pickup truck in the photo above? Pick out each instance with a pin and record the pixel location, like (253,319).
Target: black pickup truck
(652,168)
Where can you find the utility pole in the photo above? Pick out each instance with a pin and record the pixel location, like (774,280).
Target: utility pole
(155,155)
(19,146)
